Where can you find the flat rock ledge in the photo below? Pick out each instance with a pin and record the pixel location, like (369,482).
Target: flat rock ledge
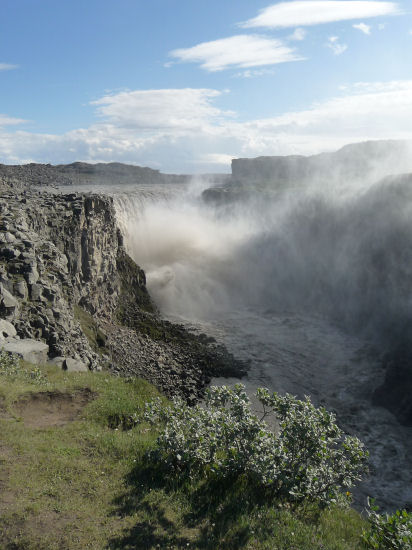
(27,349)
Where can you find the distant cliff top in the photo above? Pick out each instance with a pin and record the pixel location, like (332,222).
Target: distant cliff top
(372,159)
(82,173)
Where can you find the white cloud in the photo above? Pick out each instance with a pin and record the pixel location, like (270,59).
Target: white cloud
(184,108)
(298,34)
(363,27)
(314,12)
(381,26)
(378,110)
(10,121)
(217,158)
(335,46)
(7,66)
(361,111)
(253,73)
(240,51)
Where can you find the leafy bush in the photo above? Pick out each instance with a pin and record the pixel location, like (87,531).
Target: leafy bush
(10,366)
(388,532)
(307,457)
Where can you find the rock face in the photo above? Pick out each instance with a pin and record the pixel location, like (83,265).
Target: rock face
(353,162)
(63,250)
(358,162)
(67,283)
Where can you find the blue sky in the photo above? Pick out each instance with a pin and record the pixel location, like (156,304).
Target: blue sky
(184,86)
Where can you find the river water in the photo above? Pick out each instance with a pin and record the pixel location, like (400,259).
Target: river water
(302,290)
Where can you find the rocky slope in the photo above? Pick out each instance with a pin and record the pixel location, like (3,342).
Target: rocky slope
(66,281)
(79,173)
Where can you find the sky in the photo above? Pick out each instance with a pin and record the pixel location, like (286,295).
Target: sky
(184,86)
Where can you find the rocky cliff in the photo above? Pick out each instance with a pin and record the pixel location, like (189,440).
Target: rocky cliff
(66,281)
(358,162)
(354,162)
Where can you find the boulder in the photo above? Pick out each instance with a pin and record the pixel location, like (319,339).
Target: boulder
(32,275)
(7,330)
(8,303)
(9,252)
(9,237)
(58,361)
(36,292)
(74,365)
(29,350)
(20,288)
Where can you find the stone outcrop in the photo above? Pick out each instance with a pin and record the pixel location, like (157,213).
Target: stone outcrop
(32,351)
(56,252)
(67,283)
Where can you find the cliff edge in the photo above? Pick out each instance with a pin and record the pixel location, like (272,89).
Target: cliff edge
(66,281)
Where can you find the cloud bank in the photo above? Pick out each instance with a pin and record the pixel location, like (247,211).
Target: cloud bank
(179,109)
(184,130)
(7,67)
(240,52)
(314,12)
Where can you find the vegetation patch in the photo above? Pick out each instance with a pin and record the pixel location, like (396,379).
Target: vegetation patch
(89,483)
(388,531)
(307,459)
(93,333)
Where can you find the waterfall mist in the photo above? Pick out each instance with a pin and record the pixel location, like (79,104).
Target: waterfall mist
(344,253)
(307,277)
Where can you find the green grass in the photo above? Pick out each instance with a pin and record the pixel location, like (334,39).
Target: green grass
(88,484)
(95,336)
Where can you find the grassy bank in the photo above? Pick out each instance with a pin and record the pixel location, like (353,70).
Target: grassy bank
(73,475)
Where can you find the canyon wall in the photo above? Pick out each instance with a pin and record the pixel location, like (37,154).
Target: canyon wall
(66,280)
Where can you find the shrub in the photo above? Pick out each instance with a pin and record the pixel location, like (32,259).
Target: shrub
(307,457)
(388,532)
(10,366)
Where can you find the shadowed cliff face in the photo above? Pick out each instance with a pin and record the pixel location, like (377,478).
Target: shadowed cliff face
(355,163)
(57,252)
